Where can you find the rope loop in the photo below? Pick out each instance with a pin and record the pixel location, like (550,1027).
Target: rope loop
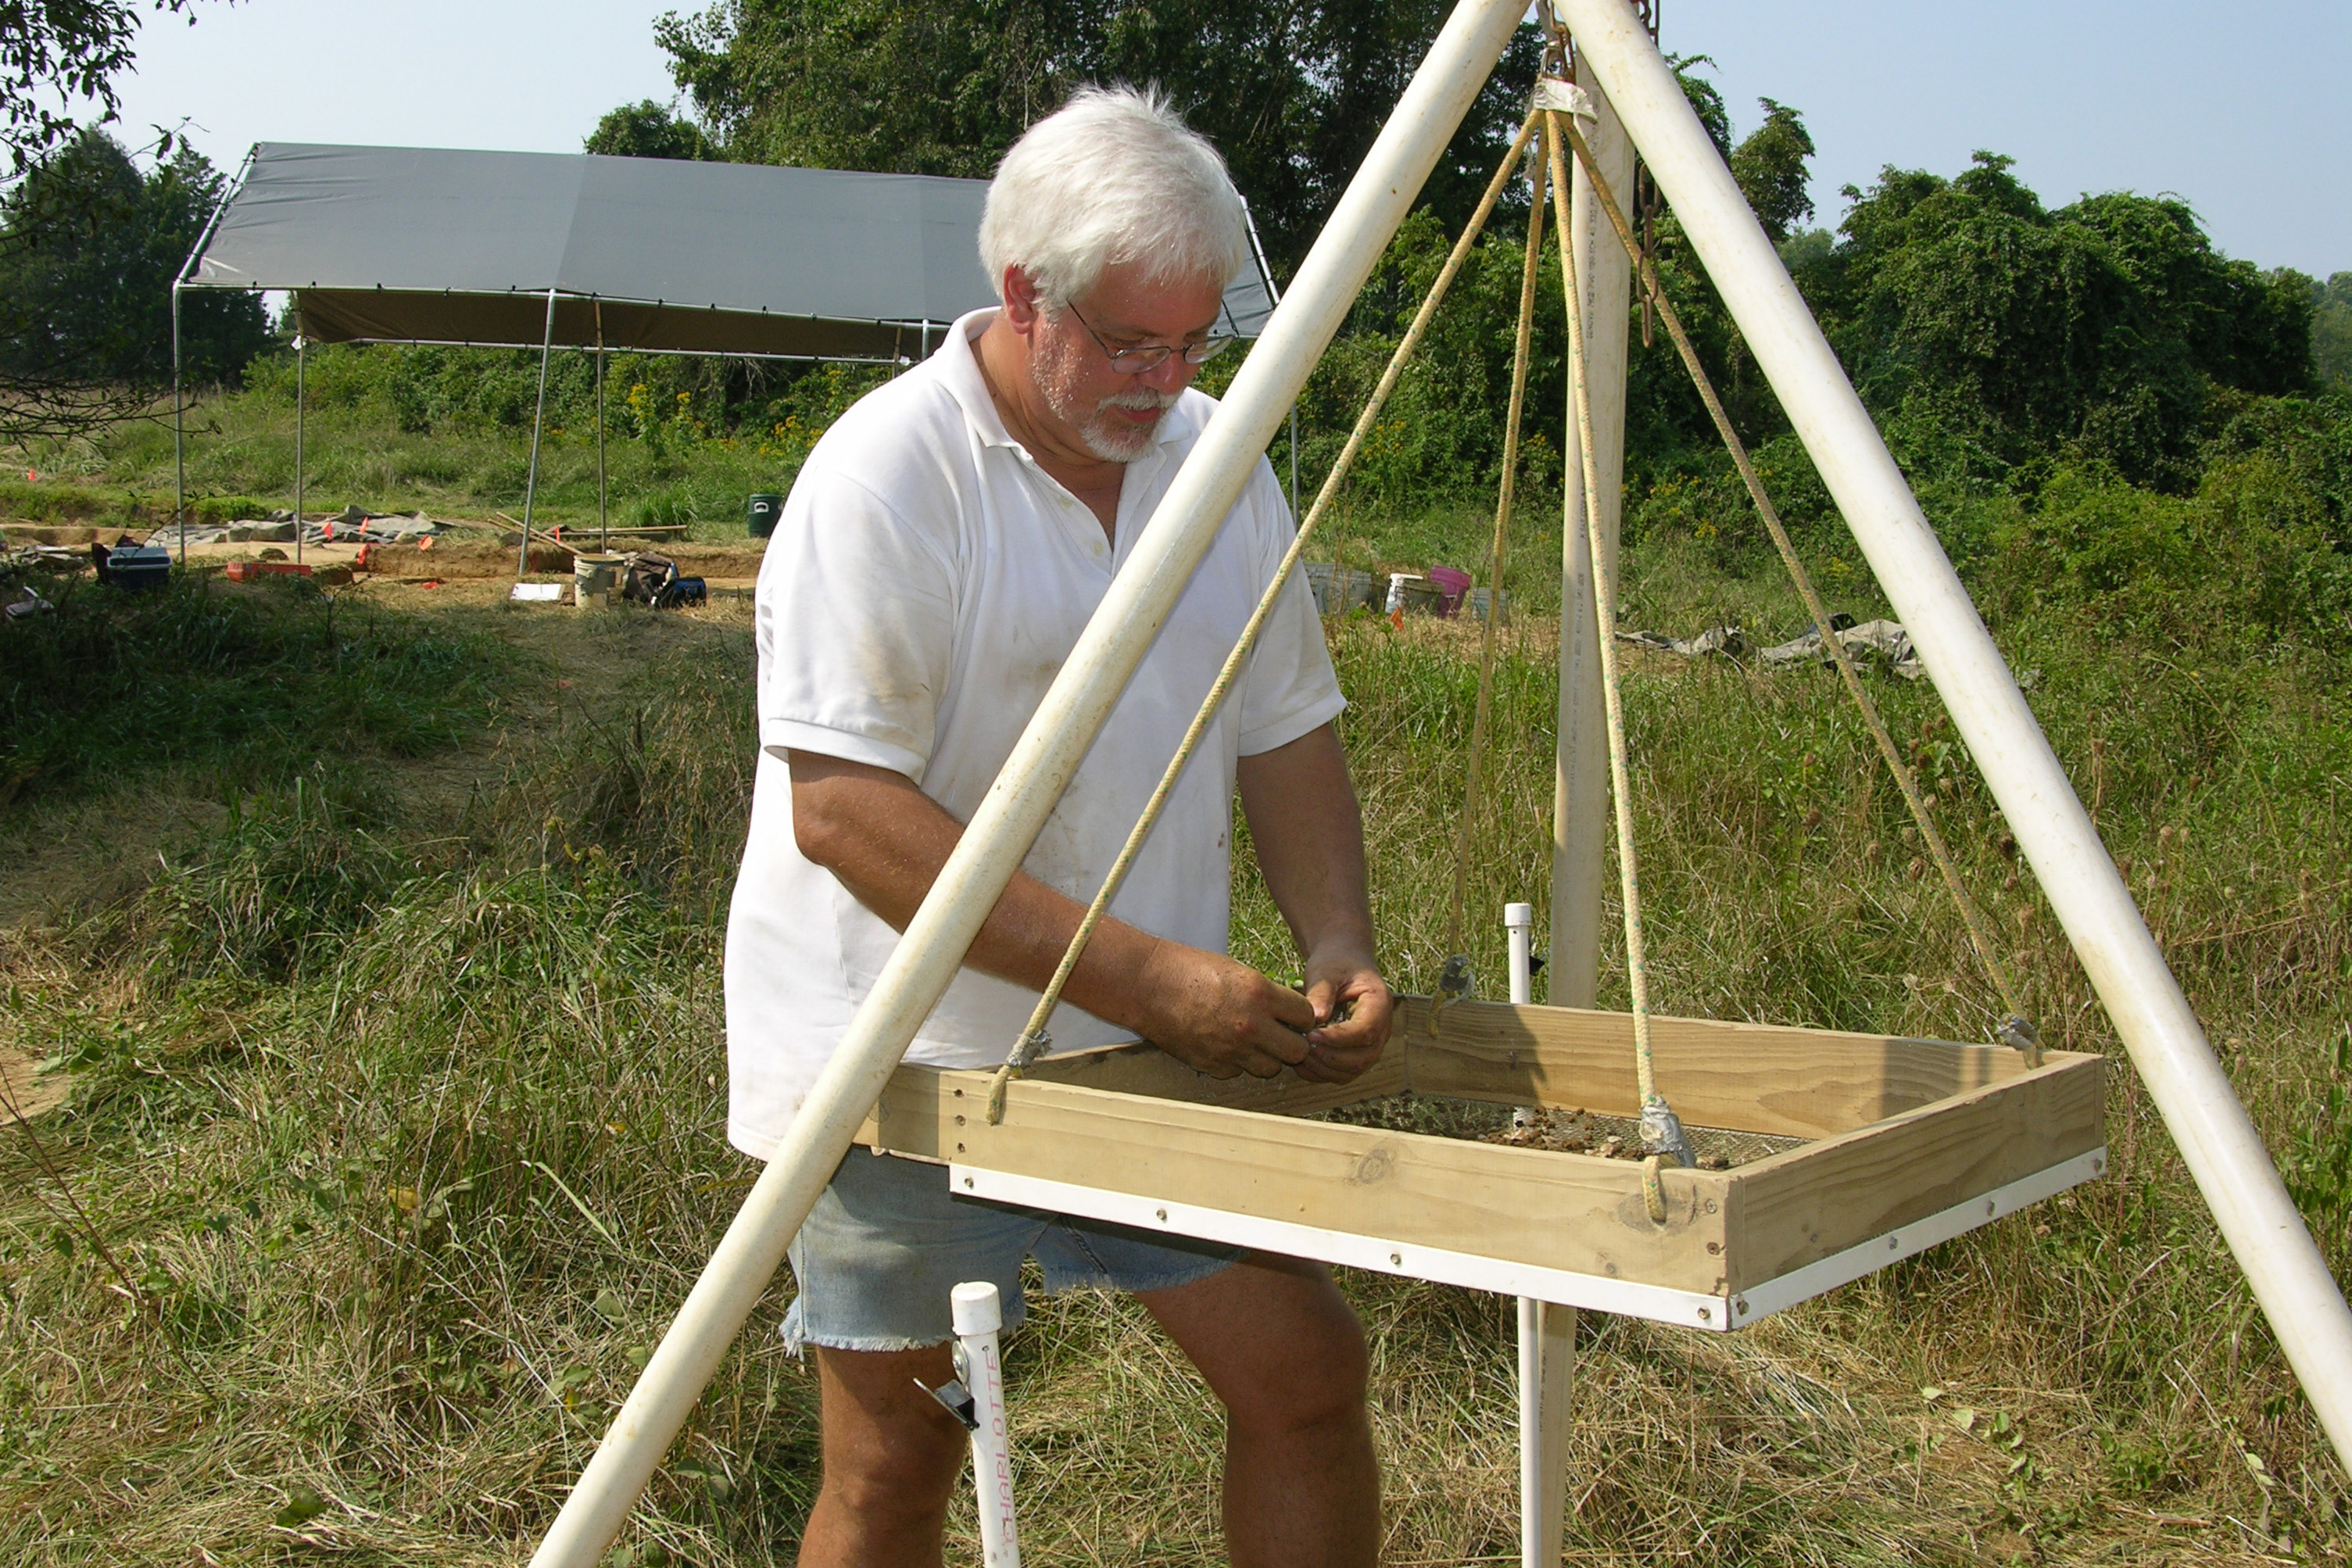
(1035,1042)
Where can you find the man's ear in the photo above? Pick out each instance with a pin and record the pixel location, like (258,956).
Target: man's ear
(1023,307)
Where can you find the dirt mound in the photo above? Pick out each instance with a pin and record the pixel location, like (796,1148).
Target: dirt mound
(65,533)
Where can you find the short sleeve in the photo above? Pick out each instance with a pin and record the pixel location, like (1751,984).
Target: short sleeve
(856,626)
(1290,688)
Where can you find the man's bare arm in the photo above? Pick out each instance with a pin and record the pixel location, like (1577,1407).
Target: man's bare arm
(1309,836)
(887,840)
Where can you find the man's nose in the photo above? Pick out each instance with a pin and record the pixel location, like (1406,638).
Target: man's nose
(1170,375)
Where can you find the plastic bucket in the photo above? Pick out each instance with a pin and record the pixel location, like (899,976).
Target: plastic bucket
(765,510)
(595,578)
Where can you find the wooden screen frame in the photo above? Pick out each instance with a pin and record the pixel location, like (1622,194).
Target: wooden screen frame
(1900,1133)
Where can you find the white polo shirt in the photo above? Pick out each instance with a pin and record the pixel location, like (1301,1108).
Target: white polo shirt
(924,585)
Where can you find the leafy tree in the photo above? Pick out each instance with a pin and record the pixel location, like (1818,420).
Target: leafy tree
(56,55)
(1292,92)
(1965,308)
(1705,99)
(1771,168)
(58,62)
(89,248)
(2331,329)
(647,130)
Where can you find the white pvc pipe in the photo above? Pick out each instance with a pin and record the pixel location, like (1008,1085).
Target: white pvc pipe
(1580,808)
(1518,930)
(978,1313)
(1033,778)
(2167,1045)
(302,347)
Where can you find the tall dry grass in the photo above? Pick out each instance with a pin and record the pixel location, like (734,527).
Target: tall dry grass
(403,1137)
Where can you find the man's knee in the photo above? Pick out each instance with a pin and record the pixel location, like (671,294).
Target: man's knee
(1320,1382)
(912,1477)
(887,1449)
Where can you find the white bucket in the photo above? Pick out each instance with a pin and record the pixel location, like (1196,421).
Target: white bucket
(596,579)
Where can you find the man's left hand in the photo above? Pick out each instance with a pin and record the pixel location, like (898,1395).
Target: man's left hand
(1353,1009)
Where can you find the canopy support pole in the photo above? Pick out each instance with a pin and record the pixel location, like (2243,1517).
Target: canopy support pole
(301,348)
(604,524)
(179,399)
(178,435)
(2167,1045)
(537,419)
(992,846)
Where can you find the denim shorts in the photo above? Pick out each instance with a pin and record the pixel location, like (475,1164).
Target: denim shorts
(887,1241)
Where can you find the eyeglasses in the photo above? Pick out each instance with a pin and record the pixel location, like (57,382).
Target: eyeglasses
(1151,357)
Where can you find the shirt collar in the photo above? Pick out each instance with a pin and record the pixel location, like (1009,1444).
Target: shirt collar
(958,371)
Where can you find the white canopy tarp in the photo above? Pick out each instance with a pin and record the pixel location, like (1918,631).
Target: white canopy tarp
(431,244)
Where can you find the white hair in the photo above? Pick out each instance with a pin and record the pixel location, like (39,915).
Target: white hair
(1113,175)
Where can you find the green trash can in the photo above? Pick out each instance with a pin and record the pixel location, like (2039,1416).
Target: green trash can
(766,509)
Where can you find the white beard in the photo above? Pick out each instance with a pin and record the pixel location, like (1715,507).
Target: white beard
(1112,441)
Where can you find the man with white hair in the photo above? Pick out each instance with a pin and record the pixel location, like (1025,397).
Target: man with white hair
(942,550)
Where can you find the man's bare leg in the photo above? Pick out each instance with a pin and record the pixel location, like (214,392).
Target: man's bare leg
(1280,1347)
(891,1458)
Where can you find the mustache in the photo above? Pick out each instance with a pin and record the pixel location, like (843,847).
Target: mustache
(1141,397)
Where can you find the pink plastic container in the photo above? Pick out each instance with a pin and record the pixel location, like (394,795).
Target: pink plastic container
(1452,584)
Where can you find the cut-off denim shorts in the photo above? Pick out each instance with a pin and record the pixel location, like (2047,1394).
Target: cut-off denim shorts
(887,1241)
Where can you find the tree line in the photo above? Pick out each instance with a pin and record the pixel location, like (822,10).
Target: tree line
(1996,339)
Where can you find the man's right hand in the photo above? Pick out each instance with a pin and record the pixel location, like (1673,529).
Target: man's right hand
(1219,1016)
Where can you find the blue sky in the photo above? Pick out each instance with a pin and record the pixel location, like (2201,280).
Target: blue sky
(2241,111)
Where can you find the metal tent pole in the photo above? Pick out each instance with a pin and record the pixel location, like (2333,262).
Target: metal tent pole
(179,436)
(537,419)
(603,522)
(301,345)
(179,404)
(1063,725)
(2216,1139)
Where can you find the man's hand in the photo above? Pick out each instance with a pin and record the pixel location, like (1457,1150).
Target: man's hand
(1353,1011)
(1310,845)
(1222,1017)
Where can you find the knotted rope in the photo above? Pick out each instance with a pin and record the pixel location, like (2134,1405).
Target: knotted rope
(1662,1131)
(1456,984)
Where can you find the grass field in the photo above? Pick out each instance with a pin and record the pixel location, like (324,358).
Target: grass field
(378,938)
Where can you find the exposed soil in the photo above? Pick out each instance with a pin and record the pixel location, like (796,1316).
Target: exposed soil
(25,1090)
(1581,1131)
